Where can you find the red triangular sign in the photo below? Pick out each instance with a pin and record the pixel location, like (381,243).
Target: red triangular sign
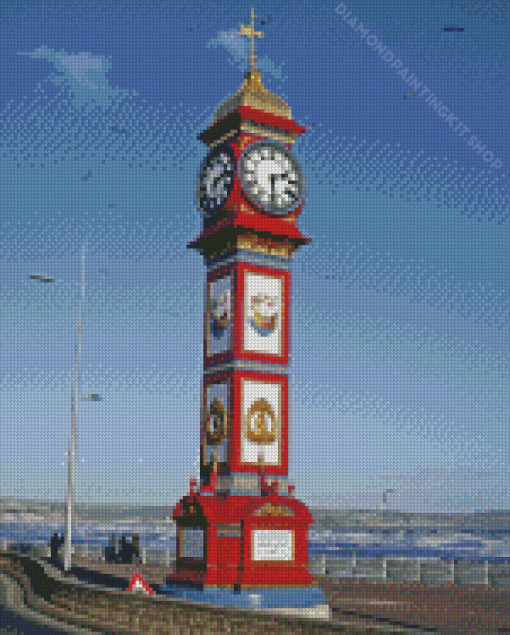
(139,584)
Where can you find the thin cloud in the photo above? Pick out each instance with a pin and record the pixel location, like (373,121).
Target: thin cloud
(238,46)
(83,72)
(235,43)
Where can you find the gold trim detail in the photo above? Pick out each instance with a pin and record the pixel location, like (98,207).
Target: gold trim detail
(273,510)
(267,131)
(267,246)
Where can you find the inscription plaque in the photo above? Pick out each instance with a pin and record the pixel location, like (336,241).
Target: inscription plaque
(272,544)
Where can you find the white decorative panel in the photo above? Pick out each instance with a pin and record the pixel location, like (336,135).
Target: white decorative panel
(219,328)
(192,543)
(215,422)
(263,311)
(272,544)
(260,422)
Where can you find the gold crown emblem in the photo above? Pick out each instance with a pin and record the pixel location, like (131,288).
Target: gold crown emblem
(261,423)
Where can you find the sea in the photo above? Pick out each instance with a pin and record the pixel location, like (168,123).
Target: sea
(458,541)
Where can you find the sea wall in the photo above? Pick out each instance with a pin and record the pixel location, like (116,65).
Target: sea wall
(119,612)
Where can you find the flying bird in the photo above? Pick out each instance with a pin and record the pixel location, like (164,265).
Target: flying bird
(43,278)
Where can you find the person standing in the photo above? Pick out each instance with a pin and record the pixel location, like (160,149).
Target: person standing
(135,540)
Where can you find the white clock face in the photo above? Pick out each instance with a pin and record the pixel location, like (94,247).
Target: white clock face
(271,177)
(216,180)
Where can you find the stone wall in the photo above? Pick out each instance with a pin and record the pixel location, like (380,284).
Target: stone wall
(120,612)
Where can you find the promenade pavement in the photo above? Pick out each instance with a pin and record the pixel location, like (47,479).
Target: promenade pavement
(17,619)
(384,607)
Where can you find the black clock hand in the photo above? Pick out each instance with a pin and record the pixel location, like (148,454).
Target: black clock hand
(273,178)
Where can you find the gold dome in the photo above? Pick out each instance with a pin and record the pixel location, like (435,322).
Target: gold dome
(253,93)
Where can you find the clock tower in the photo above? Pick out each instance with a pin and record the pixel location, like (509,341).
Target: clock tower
(241,531)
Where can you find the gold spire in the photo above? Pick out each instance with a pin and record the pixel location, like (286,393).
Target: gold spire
(253,93)
(253,74)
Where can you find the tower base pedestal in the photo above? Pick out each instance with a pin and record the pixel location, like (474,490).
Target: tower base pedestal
(243,551)
(250,597)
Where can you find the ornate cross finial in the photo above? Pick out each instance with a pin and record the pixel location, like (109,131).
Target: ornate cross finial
(251,33)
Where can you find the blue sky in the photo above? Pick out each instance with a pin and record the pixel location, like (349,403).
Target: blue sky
(399,374)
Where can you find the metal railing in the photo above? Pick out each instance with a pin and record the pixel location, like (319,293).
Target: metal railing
(431,570)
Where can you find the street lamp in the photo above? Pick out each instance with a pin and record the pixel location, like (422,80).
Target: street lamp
(71,455)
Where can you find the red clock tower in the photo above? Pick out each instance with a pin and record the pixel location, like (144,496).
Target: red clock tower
(240,531)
